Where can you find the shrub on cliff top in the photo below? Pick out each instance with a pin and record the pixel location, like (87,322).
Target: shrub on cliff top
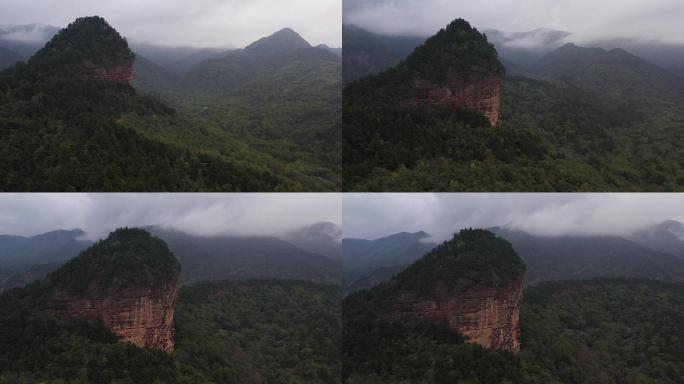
(129,256)
(473,257)
(458,47)
(87,39)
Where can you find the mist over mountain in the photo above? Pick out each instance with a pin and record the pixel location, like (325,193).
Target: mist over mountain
(310,254)
(654,252)
(571,109)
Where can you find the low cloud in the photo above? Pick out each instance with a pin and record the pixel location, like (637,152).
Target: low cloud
(375,215)
(249,214)
(199,23)
(587,20)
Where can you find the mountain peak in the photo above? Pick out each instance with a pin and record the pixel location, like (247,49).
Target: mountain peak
(284,41)
(88,47)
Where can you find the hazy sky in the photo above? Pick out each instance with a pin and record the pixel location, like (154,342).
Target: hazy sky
(586,19)
(195,213)
(375,215)
(206,23)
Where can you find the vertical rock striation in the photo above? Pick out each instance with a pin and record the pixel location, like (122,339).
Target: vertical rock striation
(481,95)
(488,316)
(115,74)
(139,315)
(472,283)
(128,281)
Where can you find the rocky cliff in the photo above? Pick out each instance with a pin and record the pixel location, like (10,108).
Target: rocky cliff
(128,281)
(139,315)
(488,316)
(121,73)
(480,95)
(473,283)
(456,68)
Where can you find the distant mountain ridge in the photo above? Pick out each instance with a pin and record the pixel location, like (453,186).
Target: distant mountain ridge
(25,259)
(655,252)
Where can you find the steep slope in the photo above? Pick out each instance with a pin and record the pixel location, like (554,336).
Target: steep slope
(585,257)
(241,258)
(90,47)
(468,289)
(368,262)
(667,237)
(237,67)
(128,282)
(322,238)
(60,129)
(366,53)
(472,283)
(615,73)
(275,102)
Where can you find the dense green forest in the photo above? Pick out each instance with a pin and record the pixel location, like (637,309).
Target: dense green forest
(614,127)
(248,332)
(598,331)
(59,132)
(471,258)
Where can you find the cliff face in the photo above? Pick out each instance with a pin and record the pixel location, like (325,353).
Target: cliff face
(122,73)
(141,315)
(488,316)
(481,94)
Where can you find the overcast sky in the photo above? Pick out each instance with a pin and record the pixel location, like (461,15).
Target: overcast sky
(195,213)
(205,23)
(371,216)
(586,19)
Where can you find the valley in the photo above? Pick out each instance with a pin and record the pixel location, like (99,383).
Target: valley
(572,118)
(262,118)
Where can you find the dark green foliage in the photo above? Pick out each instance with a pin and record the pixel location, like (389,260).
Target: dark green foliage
(474,257)
(378,351)
(605,331)
(610,125)
(260,331)
(600,331)
(74,352)
(86,40)
(61,133)
(127,257)
(248,332)
(459,48)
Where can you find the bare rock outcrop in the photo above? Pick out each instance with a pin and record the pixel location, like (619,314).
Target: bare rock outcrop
(488,316)
(115,74)
(141,315)
(481,95)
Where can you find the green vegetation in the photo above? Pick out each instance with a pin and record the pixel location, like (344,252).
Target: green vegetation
(127,257)
(281,112)
(86,40)
(458,47)
(260,332)
(614,127)
(248,332)
(600,331)
(59,132)
(376,351)
(605,331)
(474,257)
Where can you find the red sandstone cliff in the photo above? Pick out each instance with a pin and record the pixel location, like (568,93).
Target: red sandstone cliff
(481,94)
(142,315)
(488,316)
(121,73)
